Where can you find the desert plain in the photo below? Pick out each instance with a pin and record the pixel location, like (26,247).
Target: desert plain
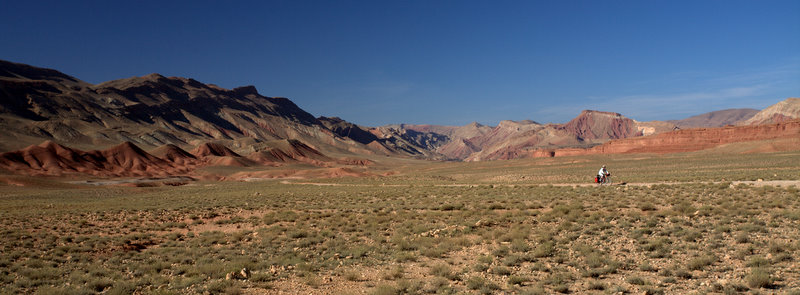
(724,220)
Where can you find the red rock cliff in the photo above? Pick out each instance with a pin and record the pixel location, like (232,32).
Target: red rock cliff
(688,140)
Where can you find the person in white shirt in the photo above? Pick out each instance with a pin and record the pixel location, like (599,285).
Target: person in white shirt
(603,174)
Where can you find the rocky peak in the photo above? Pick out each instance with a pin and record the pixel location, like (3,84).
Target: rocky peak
(245,90)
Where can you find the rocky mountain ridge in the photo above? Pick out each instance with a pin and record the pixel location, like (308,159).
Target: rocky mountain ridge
(153,110)
(170,115)
(786,110)
(716,118)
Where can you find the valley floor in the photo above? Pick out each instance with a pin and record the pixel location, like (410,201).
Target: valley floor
(683,223)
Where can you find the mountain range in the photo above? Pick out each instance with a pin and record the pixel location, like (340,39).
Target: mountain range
(170,115)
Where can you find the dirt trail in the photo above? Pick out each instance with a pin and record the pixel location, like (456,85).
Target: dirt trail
(174,179)
(782,183)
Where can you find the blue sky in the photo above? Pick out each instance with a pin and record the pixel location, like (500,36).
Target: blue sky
(433,62)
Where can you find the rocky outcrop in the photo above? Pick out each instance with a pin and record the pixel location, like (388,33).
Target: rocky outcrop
(410,142)
(458,149)
(653,127)
(348,130)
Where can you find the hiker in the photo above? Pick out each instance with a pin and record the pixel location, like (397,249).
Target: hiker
(602,175)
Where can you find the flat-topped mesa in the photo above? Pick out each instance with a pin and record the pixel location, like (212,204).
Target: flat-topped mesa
(596,125)
(601,113)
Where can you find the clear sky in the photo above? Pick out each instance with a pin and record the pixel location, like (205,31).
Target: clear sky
(433,62)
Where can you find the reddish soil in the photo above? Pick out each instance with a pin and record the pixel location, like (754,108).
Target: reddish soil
(128,160)
(49,158)
(214,149)
(175,154)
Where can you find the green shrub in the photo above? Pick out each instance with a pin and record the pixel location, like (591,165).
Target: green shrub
(517,280)
(546,249)
(701,262)
(635,280)
(759,278)
(597,285)
(501,270)
(475,282)
(757,261)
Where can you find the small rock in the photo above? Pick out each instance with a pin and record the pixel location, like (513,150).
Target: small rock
(241,275)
